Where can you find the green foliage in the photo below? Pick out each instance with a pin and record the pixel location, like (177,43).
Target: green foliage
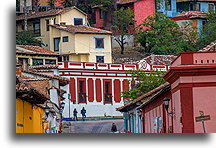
(123,20)
(208,32)
(145,82)
(26,38)
(160,35)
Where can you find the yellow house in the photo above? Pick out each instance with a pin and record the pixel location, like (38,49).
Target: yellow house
(67,32)
(35,55)
(29,115)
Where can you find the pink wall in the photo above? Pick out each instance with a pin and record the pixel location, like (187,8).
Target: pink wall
(142,9)
(156,109)
(204,99)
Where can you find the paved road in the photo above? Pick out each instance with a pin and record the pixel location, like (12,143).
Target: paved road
(100,126)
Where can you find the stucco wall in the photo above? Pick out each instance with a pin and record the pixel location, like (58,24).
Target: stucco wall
(142,9)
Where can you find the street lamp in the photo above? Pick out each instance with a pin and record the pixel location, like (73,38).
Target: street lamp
(62,105)
(166,104)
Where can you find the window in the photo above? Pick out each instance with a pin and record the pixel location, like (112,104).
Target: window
(82,94)
(107,95)
(56,44)
(101,14)
(54,21)
(37,61)
(36,27)
(168,5)
(99,42)
(194,6)
(211,7)
(66,58)
(48,61)
(78,21)
(47,25)
(65,39)
(100,59)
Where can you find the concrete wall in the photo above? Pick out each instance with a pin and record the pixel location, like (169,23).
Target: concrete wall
(128,38)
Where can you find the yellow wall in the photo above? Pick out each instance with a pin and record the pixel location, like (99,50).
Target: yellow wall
(28,117)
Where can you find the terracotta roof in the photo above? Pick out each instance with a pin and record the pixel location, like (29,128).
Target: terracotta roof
(28,49)
(52,12)
(159,59)
(30,93)
(210,47)
(192,14)
(63,81)
(146,95)
(125,1)
(81,29)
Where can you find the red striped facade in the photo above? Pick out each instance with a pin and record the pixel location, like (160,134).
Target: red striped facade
(96,82)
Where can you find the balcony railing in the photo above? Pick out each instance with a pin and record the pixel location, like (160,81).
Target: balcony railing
(107,98)
(82,97)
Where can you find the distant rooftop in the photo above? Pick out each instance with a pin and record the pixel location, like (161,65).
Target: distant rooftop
(81,29)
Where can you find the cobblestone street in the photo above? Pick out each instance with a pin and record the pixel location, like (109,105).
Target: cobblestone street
(101,126)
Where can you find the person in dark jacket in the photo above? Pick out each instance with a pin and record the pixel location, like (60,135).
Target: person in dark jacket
(75,114)
(83,112)
(114,128)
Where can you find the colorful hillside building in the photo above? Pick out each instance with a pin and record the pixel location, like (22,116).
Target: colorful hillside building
(67,32)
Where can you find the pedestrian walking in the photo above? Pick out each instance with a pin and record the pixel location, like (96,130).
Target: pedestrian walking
(114,128)
(83,112)
(75,114)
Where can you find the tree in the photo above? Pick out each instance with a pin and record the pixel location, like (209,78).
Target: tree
(208,32)
(160,35)
(51,3)
(145,81)
(123,20)
(26,38)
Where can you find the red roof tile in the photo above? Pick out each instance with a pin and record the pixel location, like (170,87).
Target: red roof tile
(28,49)
(192,14)
(210,47)
(159,59)
(49,13)
(125,1)
(81,29)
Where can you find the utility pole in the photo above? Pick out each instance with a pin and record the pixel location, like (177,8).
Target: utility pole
(25,17)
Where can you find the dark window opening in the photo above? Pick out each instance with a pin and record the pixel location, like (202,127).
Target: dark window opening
(65,39)
(107,95)
(168,5)
(100,59)
(101,14)
(211,7)
(66,58)
(194,7)
(48,61)
(47,25)
(60,59)
(36,28)
(54,21)
(56,44)
(78,21)
(212,61)
(207,61)
(201,61)
(99,42)
(37,61)
(195,61)
(82,94)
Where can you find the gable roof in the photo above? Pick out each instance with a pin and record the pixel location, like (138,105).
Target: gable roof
(158,59)
(29,49)
(210,47)
(81,29)
(52,12)
(145,96)
(125,1)
(192,14)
